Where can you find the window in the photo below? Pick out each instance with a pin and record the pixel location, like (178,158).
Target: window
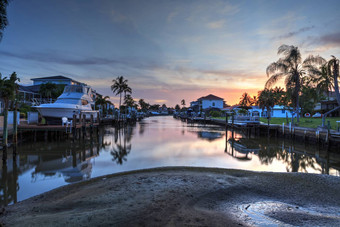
(213,104)
(283,111)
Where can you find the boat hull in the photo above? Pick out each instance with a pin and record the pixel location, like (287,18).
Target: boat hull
(54,115)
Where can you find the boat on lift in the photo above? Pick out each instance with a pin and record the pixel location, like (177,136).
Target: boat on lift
(75,99)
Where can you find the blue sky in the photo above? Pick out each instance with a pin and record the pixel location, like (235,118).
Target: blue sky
(168,50)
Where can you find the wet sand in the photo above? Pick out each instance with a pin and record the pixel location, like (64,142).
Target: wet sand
(183,196)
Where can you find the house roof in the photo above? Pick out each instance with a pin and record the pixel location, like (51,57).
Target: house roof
(209,97)
(52,78)
(59,77)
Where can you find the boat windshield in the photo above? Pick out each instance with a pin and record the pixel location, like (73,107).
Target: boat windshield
(78,89)
(68,101)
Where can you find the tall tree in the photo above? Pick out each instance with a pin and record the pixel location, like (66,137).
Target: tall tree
(183,103)
(129,101)
(291,67)
(266,100)
(143,105)
(3,16)
(8,90)
(118,86)
(246,100)
(102,102)
(333,70)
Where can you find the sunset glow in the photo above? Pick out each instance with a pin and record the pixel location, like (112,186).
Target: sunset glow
(168,50)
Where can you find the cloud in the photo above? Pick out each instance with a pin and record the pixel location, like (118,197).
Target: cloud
(294,33)
(54,58)
(330,39)
(216,24)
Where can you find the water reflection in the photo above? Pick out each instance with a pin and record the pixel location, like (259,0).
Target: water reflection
(153,142)
(297,157)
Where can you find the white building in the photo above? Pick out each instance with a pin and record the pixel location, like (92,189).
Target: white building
(210,101)
(277,111)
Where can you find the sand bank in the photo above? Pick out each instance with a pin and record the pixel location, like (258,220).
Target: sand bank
(181,196)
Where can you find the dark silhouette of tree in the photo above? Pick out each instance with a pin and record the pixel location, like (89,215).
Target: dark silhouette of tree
(246,100)
(3,16)
(118,87)
(102,102)
(183,102)
(8,91)
(143,105)
(291,67)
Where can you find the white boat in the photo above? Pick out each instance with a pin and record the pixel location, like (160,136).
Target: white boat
(75,99)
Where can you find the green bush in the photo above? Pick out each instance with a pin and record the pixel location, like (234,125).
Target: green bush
(215,113)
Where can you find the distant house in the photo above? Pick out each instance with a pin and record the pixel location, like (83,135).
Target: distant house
(210,101)
(55,80)
(276,111)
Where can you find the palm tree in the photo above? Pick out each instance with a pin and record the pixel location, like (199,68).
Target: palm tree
(126,89)
(100,101)
(266,100)
(129,101)
(3,16)
(333,70)
(246,100)
(118,86)
(323,80)
(143,105)
(292,68)
(183,103)
(8,91)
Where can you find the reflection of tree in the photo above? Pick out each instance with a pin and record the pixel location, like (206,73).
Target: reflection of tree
(268,152)
(141,128)
(9,183)
(122,146)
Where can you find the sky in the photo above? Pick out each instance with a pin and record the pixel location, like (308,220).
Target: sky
(168,50)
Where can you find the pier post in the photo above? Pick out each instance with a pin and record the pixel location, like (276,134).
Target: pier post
(15,123)
(232,120)
(84,125)
(91,124)
(74,126)
(226,122)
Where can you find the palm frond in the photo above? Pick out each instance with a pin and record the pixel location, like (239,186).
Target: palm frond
(273,79)
(311,60)
(276,67)
(285,49)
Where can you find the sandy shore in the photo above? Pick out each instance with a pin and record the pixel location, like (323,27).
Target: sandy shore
(180,196)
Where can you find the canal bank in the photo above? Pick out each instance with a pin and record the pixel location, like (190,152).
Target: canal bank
(319,136)
(178,196)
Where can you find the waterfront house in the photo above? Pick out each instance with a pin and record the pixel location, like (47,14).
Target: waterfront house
(276,111)
(210,101)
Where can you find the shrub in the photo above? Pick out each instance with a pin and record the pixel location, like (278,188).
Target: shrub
(215,113)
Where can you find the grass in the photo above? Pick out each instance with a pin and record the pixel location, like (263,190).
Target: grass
(304,122)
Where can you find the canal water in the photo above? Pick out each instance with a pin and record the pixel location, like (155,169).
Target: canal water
(154,142)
